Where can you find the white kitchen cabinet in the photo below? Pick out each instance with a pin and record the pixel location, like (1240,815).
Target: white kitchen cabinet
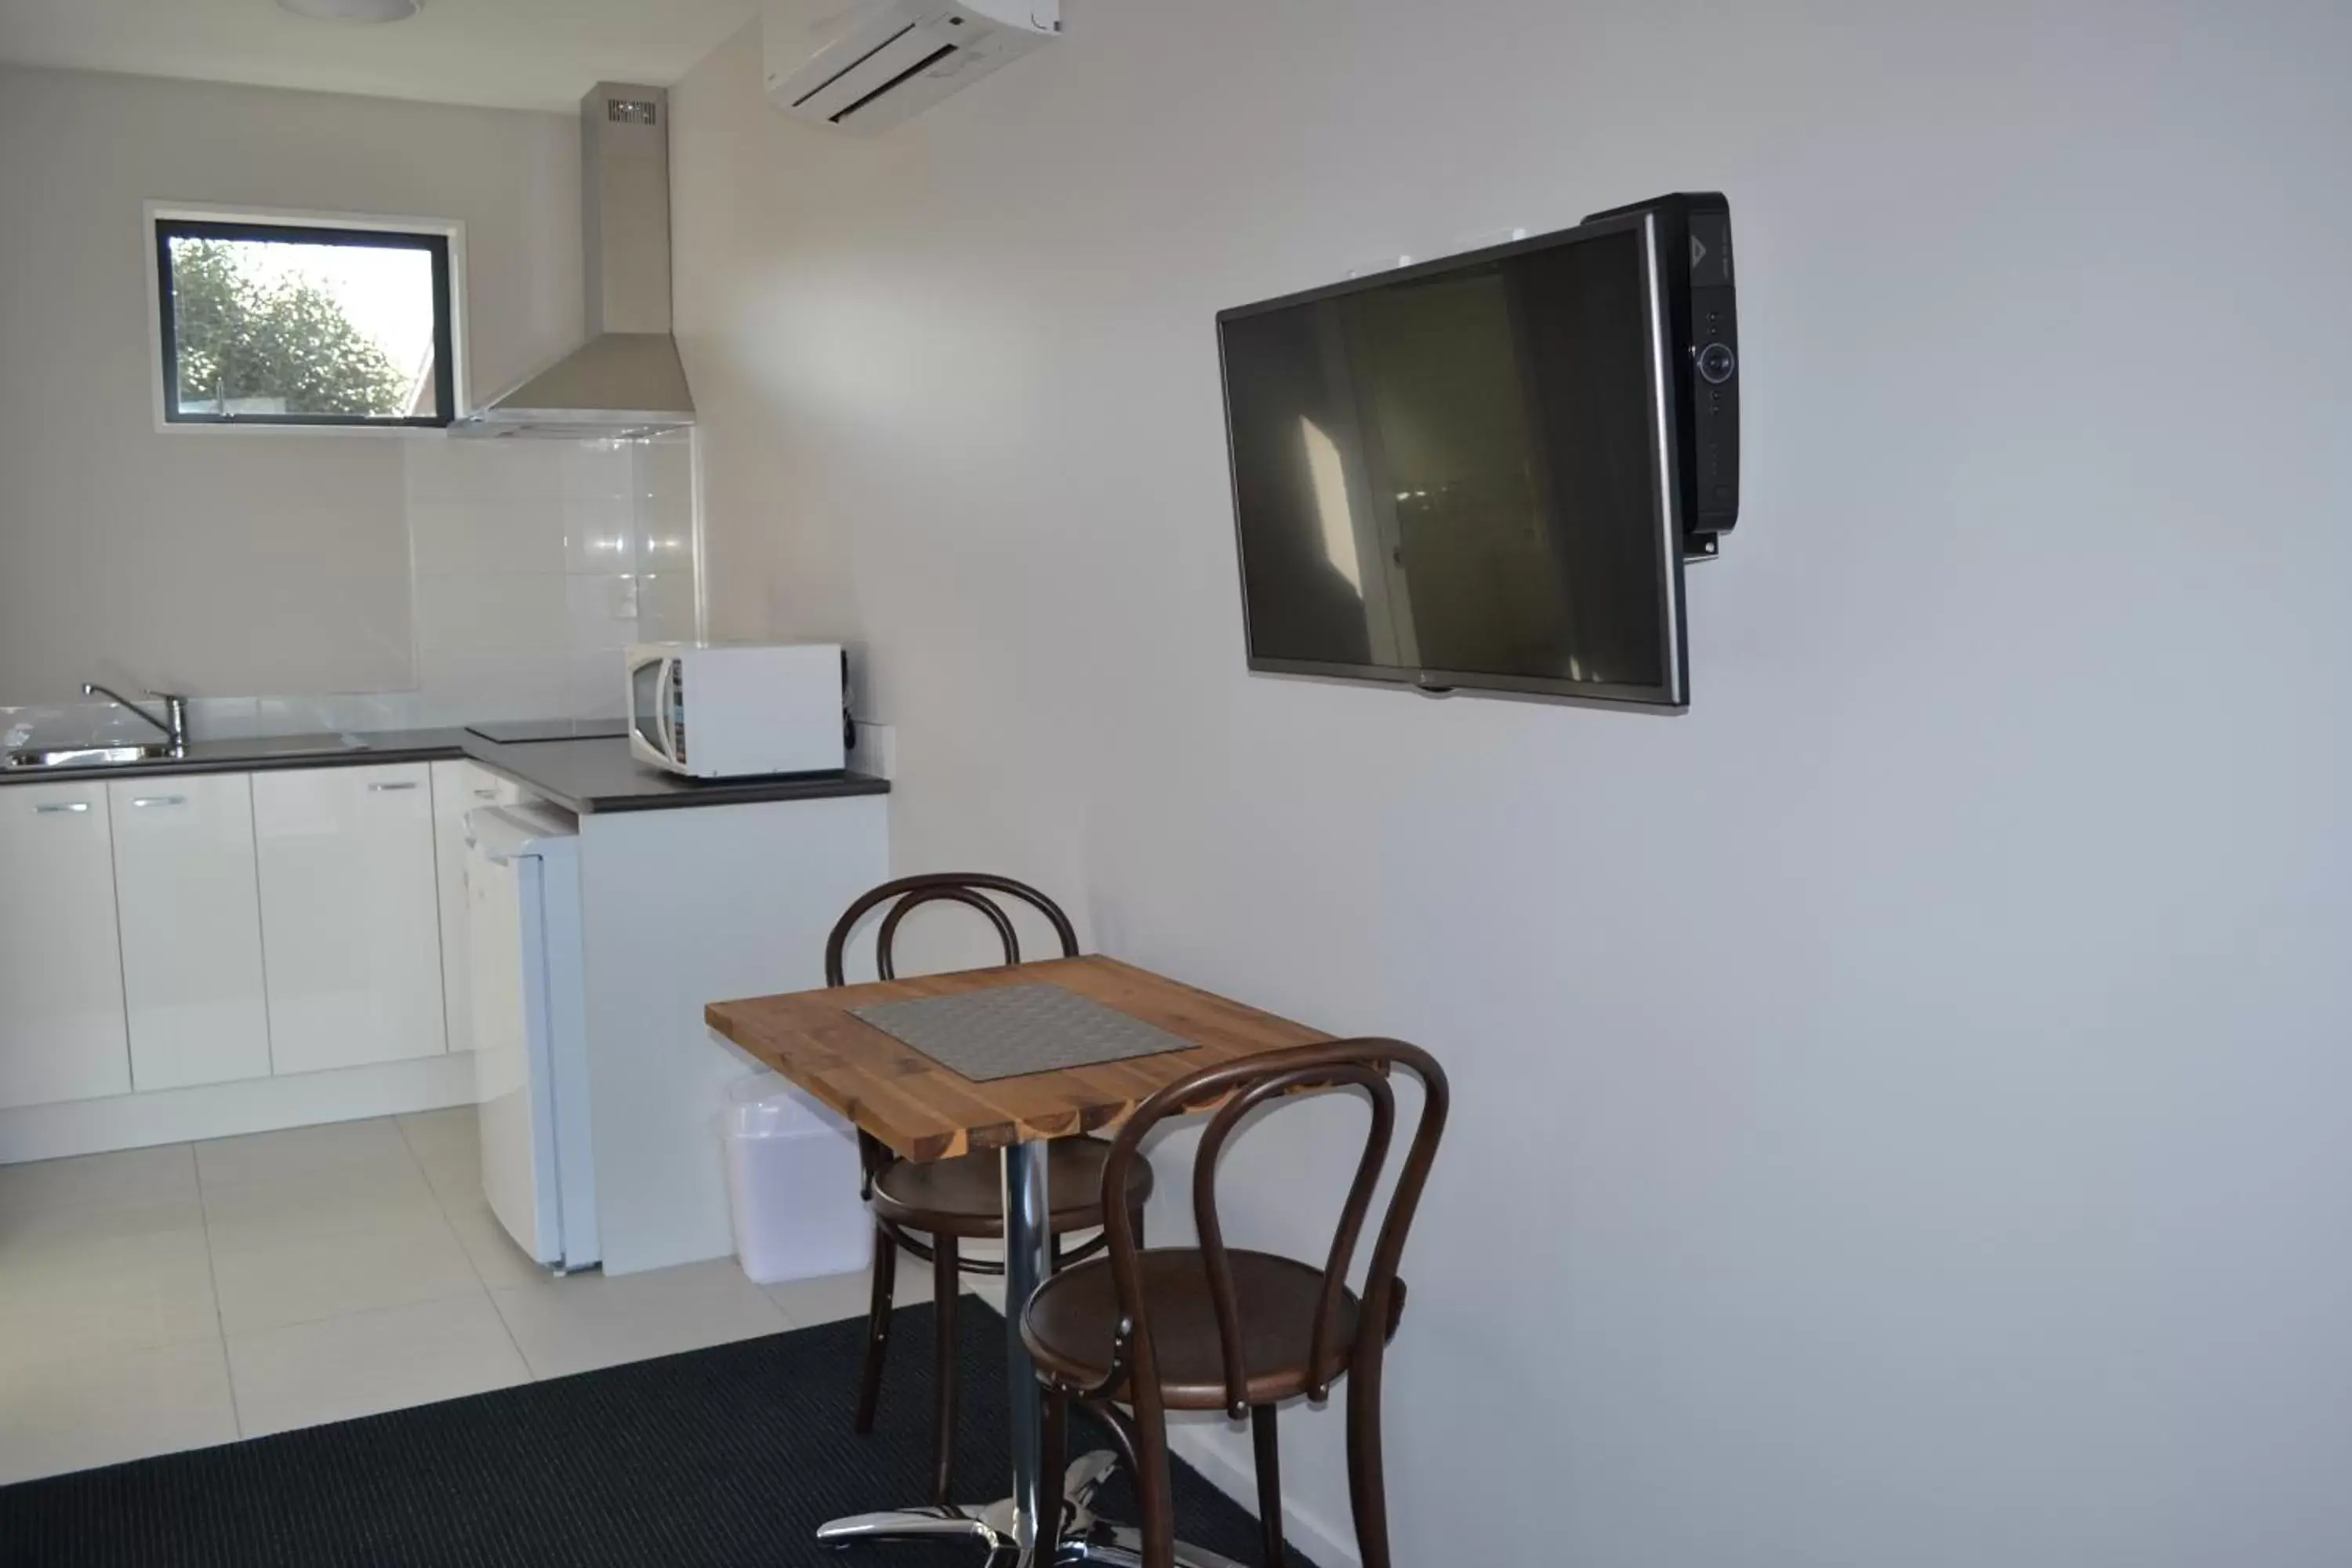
(62,1034)
(191,918)
(457,788)
(350,915)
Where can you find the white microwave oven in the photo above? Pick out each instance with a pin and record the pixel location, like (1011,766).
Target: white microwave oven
(714,711)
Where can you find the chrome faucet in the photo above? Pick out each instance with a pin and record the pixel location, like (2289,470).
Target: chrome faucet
(174,722)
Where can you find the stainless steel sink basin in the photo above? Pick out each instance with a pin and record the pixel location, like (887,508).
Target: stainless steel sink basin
(85,756)
(225,752)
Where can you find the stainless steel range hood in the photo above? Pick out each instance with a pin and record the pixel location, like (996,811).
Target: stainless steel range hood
(626,379)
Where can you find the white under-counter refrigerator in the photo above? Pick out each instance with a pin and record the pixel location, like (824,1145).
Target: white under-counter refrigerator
(600,1095)
(528,1020)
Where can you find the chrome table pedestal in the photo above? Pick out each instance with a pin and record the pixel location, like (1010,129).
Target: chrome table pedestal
(1008,1530)
(1084,1538)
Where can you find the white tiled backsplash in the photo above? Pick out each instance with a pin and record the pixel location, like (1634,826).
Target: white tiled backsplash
(536,564)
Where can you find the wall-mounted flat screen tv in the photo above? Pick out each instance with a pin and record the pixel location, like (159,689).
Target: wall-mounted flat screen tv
(1462,474)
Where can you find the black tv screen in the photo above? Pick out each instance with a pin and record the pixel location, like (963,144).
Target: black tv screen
(1460,474)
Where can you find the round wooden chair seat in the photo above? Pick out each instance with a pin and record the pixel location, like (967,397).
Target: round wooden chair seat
(1074,1317)
(964,1197)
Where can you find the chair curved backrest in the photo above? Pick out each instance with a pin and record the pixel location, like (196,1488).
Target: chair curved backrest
(1242,1087)
(905,894)
(968,888)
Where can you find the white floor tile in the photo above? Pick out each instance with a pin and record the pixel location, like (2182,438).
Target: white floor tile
(495,1256)
(132,1176)
(350,1201)
(458,1184)
(73,1415)
(106,1295)
(308,1373)
(588,1320)
(302,1151)
(808,1302)
(326,1274)
(448,1145)
(451,1137)
(91,1235)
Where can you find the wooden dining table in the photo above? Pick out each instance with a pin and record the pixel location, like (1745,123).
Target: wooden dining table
(926,1111)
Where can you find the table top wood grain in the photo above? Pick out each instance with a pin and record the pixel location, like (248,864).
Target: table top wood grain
(926,1111)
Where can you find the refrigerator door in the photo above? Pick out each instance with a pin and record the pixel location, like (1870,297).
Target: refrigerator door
(522,911)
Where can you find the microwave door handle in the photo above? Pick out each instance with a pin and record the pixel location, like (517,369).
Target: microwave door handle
(661,707)
(636,729)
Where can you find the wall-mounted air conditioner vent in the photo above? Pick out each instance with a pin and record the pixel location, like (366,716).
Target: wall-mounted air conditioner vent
(870,64)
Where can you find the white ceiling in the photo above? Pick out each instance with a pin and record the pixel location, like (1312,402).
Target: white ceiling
(516,53)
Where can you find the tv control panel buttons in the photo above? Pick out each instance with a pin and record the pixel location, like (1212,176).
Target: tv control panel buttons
(1715,364)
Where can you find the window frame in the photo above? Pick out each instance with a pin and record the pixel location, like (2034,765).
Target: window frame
(442,242)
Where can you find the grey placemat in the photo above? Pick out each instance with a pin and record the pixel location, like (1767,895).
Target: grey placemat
(1018,1029)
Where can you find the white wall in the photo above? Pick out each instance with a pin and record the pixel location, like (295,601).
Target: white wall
(230,563)
(1901,1102)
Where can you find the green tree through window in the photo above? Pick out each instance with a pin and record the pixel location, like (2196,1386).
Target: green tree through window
(244,337)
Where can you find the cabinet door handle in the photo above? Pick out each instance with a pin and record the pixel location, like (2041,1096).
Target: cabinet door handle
(52,807)
(161,800)
(485,795)
(389,788)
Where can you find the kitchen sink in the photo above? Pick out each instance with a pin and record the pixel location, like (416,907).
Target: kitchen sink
(85,756)
(214,753)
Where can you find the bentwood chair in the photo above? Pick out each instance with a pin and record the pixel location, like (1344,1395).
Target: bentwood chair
(931,1208)
(1213,1327)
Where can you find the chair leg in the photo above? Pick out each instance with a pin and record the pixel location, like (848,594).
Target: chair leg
(1269,1480)
(1367,1485)
(1155,1502)
(877,1328)
(947,1283)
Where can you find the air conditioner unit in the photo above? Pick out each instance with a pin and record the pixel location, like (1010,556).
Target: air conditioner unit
(870,64)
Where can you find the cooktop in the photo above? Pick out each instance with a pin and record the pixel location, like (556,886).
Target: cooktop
(525,732)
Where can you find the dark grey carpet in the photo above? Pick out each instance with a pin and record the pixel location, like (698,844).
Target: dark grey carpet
(729,1456)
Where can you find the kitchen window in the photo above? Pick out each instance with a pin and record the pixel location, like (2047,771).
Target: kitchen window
(306,324)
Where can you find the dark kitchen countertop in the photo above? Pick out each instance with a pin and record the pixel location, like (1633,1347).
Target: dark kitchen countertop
(581,776)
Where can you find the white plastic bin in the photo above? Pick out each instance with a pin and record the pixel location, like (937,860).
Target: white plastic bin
(791,1183)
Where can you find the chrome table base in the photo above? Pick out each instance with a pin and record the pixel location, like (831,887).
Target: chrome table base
(1121,1546)
(1083,1537)
(1008,1530)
